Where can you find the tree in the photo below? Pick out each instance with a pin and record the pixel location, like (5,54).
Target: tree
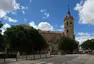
(88,44)
(1,42)
(67,45)
(25,39)
(38,42)
(1,38)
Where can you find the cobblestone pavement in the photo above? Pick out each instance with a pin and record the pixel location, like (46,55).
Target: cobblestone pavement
(64,59)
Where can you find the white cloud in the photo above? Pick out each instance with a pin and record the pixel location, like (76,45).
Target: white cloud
(30,1)
(10,19)
(42,10)
(23,12)
(2,13)
(45,26)
(86,11)
(25,19)
(62,26)
(32,23)
(45,13)
(83,36)
(59,29)
(7,6)
(5,26)
(10,6)
(81,39)
(42,26)
(14,13)
(24,8)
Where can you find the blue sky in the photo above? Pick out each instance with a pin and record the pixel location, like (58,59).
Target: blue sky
(49,15)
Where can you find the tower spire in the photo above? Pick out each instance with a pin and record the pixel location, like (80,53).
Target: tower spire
(68,11)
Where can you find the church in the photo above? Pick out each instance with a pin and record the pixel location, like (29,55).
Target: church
(52,36)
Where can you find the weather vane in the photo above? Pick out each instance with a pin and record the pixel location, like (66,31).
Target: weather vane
(68,6)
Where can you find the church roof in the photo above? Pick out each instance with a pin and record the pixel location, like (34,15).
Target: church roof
(67,18)
(52,32)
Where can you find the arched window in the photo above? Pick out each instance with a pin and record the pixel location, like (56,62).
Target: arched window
(67,31)
(67,23)
(70,22)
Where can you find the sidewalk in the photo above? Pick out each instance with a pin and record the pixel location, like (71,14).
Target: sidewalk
(23,58)
(90,60)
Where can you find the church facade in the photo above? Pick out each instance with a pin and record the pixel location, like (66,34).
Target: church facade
(52,36)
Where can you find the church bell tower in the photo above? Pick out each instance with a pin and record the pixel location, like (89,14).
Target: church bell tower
(69,25)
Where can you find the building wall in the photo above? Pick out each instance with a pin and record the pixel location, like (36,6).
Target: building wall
(52,38)
(69,26)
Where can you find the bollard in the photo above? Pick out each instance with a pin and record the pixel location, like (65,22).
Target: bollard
(16,58)
(26,56)
(4,58)
(40,55)
(50,55)
(44,55)
(34,56)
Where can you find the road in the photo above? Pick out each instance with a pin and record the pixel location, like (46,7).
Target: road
(64,59)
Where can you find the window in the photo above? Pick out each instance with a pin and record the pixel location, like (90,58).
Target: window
(70,22)
(67,31)
(67,23)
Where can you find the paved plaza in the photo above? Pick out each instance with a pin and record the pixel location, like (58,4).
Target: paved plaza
(64,59)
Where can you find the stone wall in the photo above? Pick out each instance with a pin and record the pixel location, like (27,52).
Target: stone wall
(52,38)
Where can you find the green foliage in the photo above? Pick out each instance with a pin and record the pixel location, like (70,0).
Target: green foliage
(25,39)
(1,38)
(1,42)
(67,44)
(88,44)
